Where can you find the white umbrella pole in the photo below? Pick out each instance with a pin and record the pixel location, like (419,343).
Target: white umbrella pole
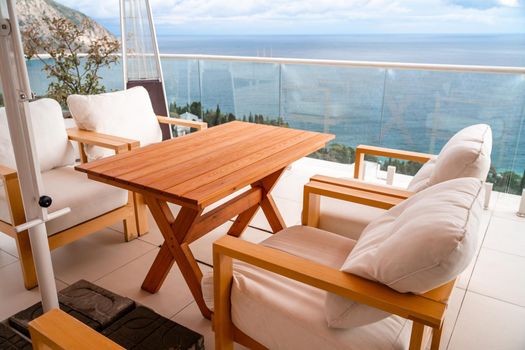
(17,94)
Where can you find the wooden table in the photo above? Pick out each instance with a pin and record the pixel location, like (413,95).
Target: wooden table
(198,170)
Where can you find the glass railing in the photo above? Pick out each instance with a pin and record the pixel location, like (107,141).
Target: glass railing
(406,106)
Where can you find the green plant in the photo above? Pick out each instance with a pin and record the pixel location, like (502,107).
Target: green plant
(71,72)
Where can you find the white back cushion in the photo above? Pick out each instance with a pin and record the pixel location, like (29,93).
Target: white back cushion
(126,113)
(416,246)
(466,154)
(52,145)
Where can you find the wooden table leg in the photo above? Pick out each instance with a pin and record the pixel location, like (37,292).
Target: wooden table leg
(267,204)
(174,232)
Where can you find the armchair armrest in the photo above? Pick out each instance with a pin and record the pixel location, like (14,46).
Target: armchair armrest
(7,173)
(313,190)
(361,150)
(57,330)
(360,185)
(115,143)
(183,122)
(427,309)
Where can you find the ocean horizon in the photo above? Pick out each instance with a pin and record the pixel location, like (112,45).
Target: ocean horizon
(414,110)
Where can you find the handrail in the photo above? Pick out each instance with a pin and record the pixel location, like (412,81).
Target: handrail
(461,68)
(356,64)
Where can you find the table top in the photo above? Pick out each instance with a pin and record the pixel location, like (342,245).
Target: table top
(201,168)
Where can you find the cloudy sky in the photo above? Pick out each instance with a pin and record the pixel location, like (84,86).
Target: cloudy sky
(321,16)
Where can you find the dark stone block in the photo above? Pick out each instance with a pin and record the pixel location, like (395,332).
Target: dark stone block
(143,329)
(95,303)
(9,340)
(21,320)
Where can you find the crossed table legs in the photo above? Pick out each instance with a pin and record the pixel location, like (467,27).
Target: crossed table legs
(191,224)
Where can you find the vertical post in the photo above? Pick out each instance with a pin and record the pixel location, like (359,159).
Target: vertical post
(17,95)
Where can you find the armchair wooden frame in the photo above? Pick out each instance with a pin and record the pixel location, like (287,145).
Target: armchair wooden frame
(363,150)
(56,330)
(355,190)
(125,213)
(427,311)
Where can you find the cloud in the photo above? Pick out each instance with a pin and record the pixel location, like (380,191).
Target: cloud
(323,16)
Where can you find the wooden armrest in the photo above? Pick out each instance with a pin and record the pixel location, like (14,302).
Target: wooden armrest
(183,122)
(428,309)
(57,330)
(361,150)
(7,173)
(313,190)
(118,144)
(360,185)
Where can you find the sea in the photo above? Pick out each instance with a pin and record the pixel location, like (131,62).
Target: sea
(407,109)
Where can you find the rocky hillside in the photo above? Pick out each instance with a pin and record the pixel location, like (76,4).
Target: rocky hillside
(31,11)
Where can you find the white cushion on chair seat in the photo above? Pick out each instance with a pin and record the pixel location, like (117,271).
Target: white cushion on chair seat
(51,143)
(284,314)
(70,188)
(346,218)
(127,113)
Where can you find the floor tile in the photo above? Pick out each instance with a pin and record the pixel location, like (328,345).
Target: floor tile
(6,259)
(488,324)
(8,244)
(172,297)
(96,255)
(506,235)
(507,206)
(190,317)
(499,275)
(13,295)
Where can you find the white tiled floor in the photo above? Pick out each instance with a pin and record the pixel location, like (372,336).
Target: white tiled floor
(487,309)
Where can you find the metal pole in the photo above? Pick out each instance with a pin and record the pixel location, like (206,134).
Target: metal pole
(17,94)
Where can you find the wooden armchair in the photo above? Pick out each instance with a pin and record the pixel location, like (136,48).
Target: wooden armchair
(427,311)
(67,229)
(275,294)
(466,154)
(126,113)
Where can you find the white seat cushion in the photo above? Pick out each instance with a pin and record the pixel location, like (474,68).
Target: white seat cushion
(466,154)
(70,188)
(283,314)
(51,143)
(418,245)
(127,113)
(346,218)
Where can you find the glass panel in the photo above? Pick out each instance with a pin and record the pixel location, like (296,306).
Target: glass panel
(423,109)
(346,102)
(239,91)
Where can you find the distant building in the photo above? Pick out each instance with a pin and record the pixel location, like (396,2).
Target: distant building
(183,130)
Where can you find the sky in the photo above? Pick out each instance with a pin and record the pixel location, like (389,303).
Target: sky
(224,17)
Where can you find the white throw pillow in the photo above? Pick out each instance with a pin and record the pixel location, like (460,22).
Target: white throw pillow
(126,113)
(418,245)
(466,154)
(52,145)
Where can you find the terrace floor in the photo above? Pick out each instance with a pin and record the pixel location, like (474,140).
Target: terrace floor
(487,310)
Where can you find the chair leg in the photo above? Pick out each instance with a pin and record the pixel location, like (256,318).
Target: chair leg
(130,229)
(416,338)
(436,338)
(27,264)
(141,214)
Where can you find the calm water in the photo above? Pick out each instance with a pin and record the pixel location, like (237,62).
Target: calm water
(417,110)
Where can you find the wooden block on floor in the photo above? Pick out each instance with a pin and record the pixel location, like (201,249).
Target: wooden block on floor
(97,304)
(9,340)
(144,329)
